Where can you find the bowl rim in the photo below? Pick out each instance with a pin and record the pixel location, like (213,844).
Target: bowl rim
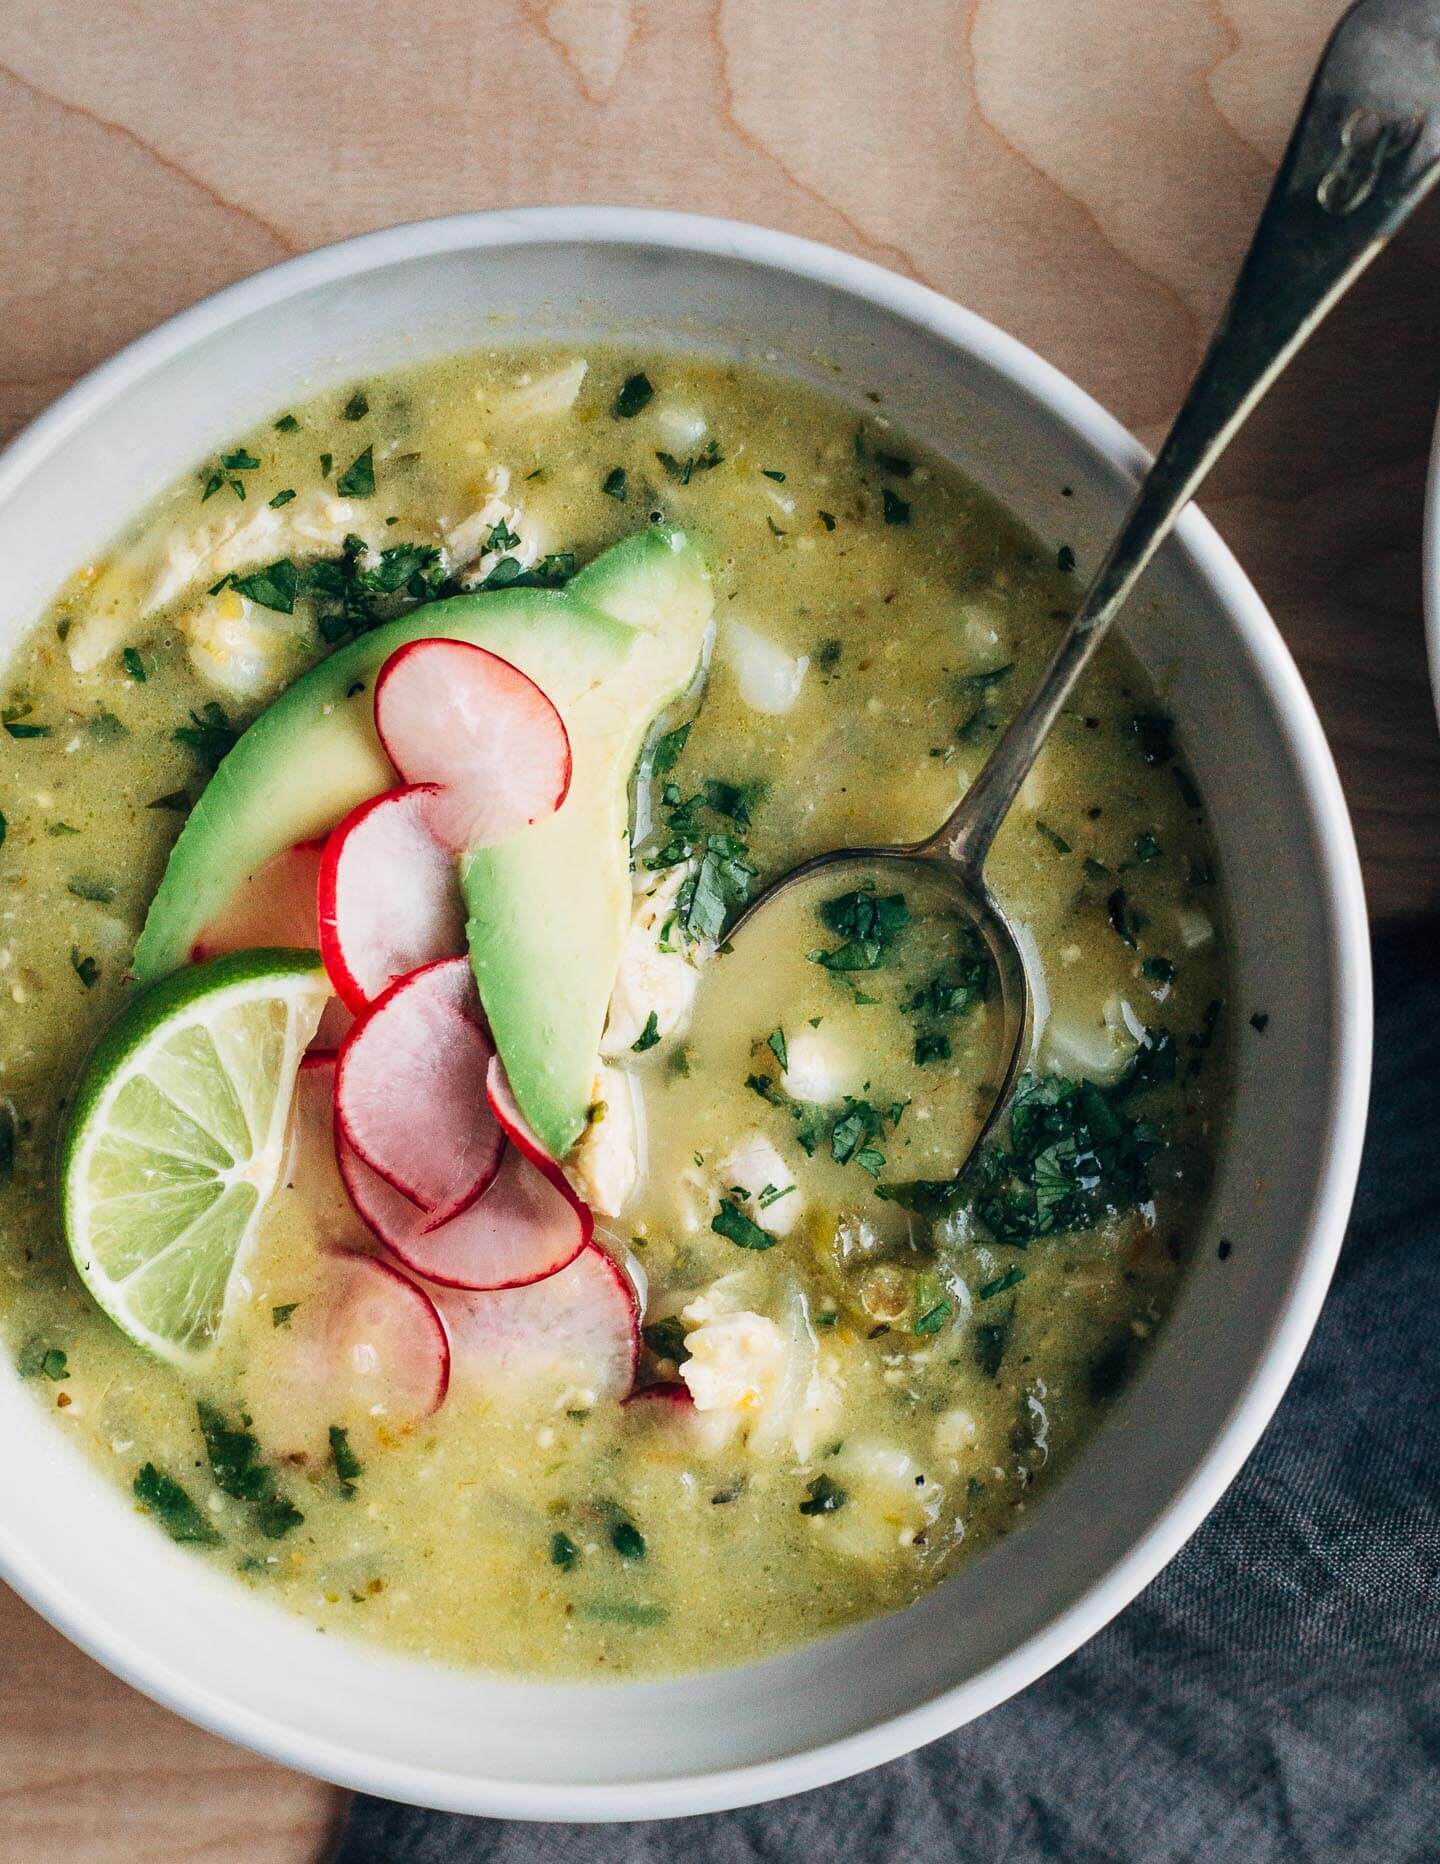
(1430,566)
(1337,879)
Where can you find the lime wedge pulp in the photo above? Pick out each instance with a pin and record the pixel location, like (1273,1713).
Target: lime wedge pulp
(177,1137)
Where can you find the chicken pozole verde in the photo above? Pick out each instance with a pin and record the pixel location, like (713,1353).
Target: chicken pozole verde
(456,1236)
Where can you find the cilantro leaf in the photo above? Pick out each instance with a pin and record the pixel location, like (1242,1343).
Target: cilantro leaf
(163,1497)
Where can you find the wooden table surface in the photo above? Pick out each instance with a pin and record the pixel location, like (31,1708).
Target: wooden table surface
(1084,172)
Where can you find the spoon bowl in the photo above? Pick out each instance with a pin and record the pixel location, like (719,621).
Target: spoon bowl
(974,906)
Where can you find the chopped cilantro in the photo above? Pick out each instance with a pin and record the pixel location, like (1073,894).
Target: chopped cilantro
(1260,1022)
(234,1458)
(1056,841)
(502,537)
(287,424)
(98,891)
(546,573)
(616,484)
(627,1540)
(856,1125)
(38,1361)
(1158,970)
(14,718)
(327,460)
(348,1466)
(823,1497)
(1002,1284)
(177,801)
(731,1222)
(1072,1157)
(636,394)
(775,1042)
(283,497)
(1125,922)
(990,1341)
(682,471)
(163,1497)
(666,1339)
(133,664)
(1065,560)
(86,969)
(358,478)
(932,1045)
(209,734)
(827,518)
(896,509)
(868,923)
(769,472)
(275,586)
(648,1036)
(667,749)
(933,1317)
(276,1517)
(358,406)
(563,1552)
(279,1316)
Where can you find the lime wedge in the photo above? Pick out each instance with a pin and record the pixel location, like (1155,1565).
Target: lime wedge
(177,1136)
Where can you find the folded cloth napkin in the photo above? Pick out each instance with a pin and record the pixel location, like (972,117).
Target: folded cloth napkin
(1274,1695)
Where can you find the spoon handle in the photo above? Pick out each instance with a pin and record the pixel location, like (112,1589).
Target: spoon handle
(1364,152)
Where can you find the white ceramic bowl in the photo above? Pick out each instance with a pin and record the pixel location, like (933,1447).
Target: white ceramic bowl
(1431,572)
(225,1658)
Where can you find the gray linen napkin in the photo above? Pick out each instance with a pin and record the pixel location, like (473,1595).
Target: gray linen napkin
(1273,1696)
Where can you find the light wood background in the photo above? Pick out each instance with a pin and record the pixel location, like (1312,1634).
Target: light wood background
(1084,172)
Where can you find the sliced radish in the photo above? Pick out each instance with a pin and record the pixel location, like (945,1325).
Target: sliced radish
(389,896)
(456,715)
(664,1398)
(361,1341)
(410,1091)
(518,1130)
(274,907)
(574,1336)
(521,1230)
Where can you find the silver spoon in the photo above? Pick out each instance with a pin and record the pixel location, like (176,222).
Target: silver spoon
(1364,153)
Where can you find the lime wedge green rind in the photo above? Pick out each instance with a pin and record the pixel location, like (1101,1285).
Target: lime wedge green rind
(176,1139)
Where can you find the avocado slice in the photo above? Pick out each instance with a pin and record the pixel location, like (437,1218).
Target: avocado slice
(313,754)
(549,909)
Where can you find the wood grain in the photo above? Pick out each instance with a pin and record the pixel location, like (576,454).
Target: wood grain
(1085,172)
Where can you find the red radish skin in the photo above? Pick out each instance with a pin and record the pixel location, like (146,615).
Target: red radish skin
(362,1339)
(660,1399)
(520,1133)
(273,908)
(519,1232)
(410,1091)
(455,715)
(389,897)
(575,1332)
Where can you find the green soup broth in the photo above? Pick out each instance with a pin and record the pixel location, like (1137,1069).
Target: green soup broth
(953,1347)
